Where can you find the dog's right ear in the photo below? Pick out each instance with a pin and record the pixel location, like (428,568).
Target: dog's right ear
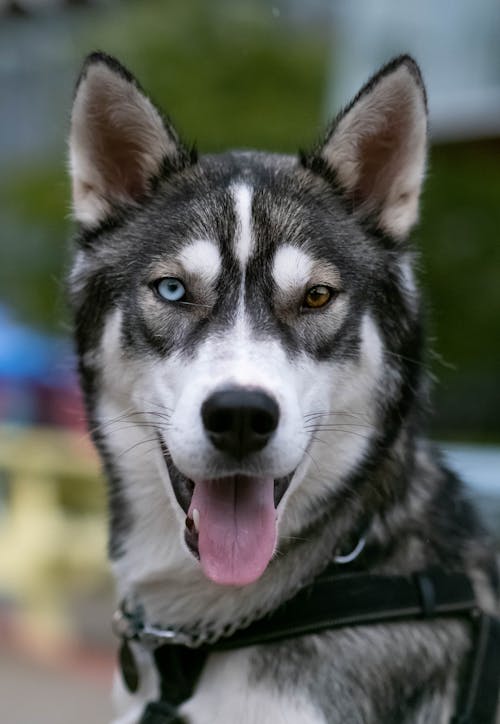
(119,143)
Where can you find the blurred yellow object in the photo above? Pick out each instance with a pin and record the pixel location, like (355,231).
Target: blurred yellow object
(52,523)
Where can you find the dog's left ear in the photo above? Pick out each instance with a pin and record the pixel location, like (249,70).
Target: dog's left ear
(119,142)
(376,149)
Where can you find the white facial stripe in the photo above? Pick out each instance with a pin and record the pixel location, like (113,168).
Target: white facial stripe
(292,267)
(243,207)
(371,350)
(201,258)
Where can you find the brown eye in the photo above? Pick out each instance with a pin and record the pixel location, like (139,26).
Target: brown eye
(317,296)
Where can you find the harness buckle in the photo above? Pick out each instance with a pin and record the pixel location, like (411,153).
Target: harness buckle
(122,625)
(152,637)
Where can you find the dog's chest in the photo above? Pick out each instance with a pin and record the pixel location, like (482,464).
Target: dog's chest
(355,676)
(232,690)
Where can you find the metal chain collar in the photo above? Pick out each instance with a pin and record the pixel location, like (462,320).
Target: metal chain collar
(130,625)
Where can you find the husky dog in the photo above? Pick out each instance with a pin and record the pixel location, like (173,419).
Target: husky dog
(249,332)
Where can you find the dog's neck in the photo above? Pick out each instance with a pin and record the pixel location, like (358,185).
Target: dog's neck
(156,571)
(184,598)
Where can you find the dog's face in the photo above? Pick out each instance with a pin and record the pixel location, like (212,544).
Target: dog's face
(247,310)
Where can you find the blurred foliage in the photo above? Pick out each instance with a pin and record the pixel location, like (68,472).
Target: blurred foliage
(231,76)
(459,236)
(459,231)
(228,73)
(35,203)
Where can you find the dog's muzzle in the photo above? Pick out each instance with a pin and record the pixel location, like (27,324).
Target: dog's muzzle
(231,519)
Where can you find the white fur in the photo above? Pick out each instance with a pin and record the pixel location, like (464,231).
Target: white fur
(201,258)
(236,358)
(244,241)
(408,282)
(226,695)
(137,454)
(79,272)
(349,408)
(292,268)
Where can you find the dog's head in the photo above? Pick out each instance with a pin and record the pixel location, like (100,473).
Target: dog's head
(247,315)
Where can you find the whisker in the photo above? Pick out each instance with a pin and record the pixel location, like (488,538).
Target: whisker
(318,440)
(296,538)
(397,355)
(330,413)
(145,426)
(334,426)
(138,444)
(195,304)
(160,405)
(309,455)
(102,423)
(348,432)
(127,417)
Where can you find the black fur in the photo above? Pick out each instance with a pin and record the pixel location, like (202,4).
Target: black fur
(412,510)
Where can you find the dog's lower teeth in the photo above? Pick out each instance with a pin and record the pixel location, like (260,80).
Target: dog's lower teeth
(196,519)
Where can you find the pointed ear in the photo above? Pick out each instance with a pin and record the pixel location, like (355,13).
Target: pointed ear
(118,143)
(377,148)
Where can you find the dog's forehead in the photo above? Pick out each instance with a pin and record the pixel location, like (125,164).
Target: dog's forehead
(256,240)
(241,216)
(252,210)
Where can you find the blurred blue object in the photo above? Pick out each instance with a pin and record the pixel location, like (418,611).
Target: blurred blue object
(27,355)
(38,384)
(479,467)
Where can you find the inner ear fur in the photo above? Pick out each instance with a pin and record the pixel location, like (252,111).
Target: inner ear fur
(376,149)
(118,142)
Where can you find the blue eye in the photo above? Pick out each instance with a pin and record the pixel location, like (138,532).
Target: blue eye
(171,289)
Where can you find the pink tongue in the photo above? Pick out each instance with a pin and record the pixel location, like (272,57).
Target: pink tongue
(237,528)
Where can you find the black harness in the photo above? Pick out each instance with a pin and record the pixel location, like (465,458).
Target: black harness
(333,601)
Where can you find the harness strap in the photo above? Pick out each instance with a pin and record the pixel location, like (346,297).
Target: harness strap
(333,601)
(183,667)
(354,599)
(161,712)
(179,668)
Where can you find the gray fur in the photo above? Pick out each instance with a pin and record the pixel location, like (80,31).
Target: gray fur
(412,510)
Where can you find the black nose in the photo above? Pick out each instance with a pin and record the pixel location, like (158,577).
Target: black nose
(240,421)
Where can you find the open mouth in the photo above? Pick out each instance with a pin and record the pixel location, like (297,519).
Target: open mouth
(230,522)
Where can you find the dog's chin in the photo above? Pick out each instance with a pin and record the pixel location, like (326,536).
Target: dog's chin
(231,525)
